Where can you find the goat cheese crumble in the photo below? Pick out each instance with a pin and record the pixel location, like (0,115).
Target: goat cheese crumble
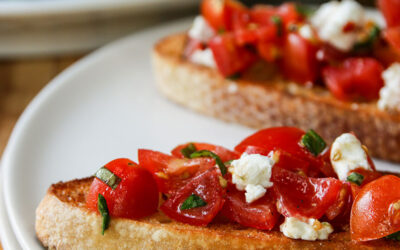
(389,95)
(203,57)
(348,154)
(331,19)
(252,173)
(201,30)
(310,229)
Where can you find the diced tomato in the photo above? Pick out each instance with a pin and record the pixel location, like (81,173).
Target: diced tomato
(289,14)
(254,35)
(390,10)
(262,14)
(287,139)
(208,188)
(171,173)
(386,54)
(191,46)
(223,153)
(260,214)
(229,57)
(297,49)
(339,212)
(300,196)
(354,79)
(224,14)
(329,54)
(376,210)
(392,35)
(268,51)
(135,196)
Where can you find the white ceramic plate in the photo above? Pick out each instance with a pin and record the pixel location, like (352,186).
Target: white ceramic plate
(52,27)
(7,237)
(103,107)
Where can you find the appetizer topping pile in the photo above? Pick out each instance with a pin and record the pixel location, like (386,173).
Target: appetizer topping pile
(279,178)
(352,51)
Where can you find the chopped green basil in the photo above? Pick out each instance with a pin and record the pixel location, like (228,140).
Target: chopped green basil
(221,31)
(108,177)
(371,38)
(313,142)
(193,201)
(207,153)
(103,209)
(188,150)
(228,163)
(304,10)
(234,76)
(277,20)
(394,236)
(356,178)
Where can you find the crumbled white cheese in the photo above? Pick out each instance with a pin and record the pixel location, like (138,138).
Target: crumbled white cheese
(310,229)
(201,30)
(306,31)
(203,57)
(332,17)
(348,154)
(390,94)
(252,173)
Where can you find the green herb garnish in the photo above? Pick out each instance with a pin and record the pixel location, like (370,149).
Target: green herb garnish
(188,150)
(108,177)
(277,20)
(394,236)
(193,201)
(207,153)
(356,178)
(228,163)
(304,10)
(234,76)
(313,142)
(103,209)
(221,31)
(369,41)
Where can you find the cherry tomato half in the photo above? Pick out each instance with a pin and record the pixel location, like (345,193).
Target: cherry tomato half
(224,14)
(136,195)
(208,188)
(376,210)
(171,173)
(260,214)
(354,79)
(223,153)
(392,35)
(390,10)
(229,57)
(299,61)
(300,196)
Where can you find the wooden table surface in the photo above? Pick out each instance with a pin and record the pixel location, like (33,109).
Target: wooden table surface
(20,81)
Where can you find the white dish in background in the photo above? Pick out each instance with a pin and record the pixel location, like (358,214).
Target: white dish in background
(103,107)
(47,27)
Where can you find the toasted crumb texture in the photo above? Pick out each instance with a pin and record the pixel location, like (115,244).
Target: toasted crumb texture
(64,222)
(262,99)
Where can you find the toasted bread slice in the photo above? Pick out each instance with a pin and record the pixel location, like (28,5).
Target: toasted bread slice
(64,222)
(261,98)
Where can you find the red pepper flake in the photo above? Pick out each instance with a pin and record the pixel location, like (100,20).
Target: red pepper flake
(349,27)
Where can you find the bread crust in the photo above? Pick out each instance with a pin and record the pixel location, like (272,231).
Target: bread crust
(261,98)
(64,222)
